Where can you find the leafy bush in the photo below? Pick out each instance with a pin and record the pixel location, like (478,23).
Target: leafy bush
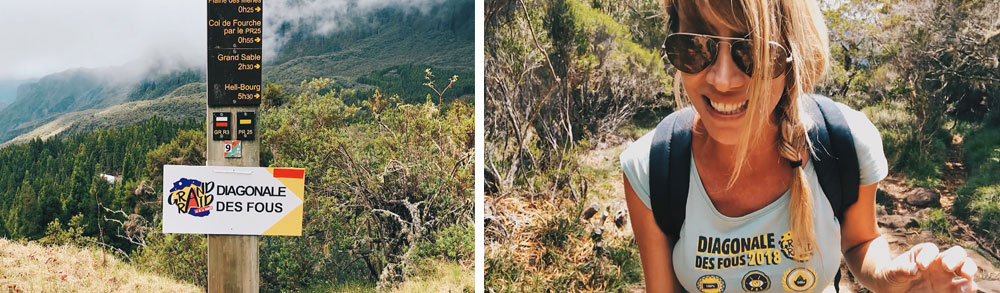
(180,256)
(456,242)
(381,177)
(908,149)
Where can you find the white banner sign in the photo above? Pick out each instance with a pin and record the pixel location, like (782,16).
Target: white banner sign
(232,200)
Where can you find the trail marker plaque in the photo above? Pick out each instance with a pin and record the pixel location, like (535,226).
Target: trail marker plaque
(235,32)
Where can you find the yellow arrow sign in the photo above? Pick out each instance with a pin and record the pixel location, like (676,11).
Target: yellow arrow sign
(258,9)
(257,39)
(256,66)
(255,96)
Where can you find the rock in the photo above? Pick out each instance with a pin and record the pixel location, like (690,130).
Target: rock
(880,210)
(590,211)
(604,216)
(922,197)
(598,231)
(898,221)
(988,285)
(621,217)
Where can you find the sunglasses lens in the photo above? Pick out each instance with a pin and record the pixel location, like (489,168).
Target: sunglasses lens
(779,59)
(743,56)
(690,54)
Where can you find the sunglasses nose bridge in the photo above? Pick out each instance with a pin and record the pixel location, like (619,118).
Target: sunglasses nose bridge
(718,53)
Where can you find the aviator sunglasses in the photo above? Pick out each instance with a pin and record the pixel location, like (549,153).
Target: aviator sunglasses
(692,53)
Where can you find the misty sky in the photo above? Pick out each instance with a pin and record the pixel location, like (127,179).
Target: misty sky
(44,37)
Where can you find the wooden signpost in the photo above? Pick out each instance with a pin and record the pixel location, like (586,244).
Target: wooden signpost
(235,29)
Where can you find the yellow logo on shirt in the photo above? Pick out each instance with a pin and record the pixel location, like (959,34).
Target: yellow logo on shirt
(799,279)
(788,248)
(711,284)
(756,281)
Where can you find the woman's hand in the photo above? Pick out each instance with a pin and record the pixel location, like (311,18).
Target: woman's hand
(924,269)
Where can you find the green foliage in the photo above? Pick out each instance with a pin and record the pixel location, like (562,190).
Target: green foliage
(978,201)
(909,150)
(273,96)
(456,242)
(186,148)
(180,256)
(72,235)
(937,222)
(366,170)
(409,81)
(56,180)
(574,74)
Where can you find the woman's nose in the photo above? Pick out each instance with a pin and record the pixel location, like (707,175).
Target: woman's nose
(723,74)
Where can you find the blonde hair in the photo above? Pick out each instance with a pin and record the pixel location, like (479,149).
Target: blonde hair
(798,26)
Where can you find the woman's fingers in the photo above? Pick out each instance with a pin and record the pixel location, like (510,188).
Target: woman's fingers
(956,265)
(969,269)
(963,285)
(953,258)
(905,267)
(925,254)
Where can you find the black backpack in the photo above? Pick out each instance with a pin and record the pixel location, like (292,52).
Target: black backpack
(834,159)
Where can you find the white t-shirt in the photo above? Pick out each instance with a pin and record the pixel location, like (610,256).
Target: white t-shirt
(753,252)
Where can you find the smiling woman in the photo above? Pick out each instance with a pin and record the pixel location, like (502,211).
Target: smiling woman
(758,150)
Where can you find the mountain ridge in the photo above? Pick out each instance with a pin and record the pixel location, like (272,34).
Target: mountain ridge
(442,39)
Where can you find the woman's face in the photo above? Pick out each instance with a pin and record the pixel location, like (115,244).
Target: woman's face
(720,92)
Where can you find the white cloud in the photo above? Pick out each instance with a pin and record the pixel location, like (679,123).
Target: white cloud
(43,37)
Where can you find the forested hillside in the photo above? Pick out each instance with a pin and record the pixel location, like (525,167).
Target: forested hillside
(571,83)
(51,181)
(42,101)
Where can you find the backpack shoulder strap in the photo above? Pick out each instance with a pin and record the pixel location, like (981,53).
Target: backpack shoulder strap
(670,150)
(834,156)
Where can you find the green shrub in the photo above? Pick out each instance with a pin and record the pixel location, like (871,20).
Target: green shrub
(917,154)
(978,201)
(179,256)
(937,222)
(456,242)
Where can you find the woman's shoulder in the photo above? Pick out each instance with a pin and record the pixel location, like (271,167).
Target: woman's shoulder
(634,162)
(861,126)
(867,145)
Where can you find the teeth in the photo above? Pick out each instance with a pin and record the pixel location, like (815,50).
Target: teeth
(729,108)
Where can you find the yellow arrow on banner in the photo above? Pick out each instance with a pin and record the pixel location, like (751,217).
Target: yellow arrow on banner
(257,40)
(256,96)
(258,9)
(256,66)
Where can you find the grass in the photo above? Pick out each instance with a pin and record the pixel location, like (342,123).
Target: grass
(978,201)
(937,222)
(29,267)
(550,247)
(433,275)
(430,275)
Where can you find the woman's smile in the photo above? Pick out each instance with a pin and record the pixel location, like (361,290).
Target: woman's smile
(726,109)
